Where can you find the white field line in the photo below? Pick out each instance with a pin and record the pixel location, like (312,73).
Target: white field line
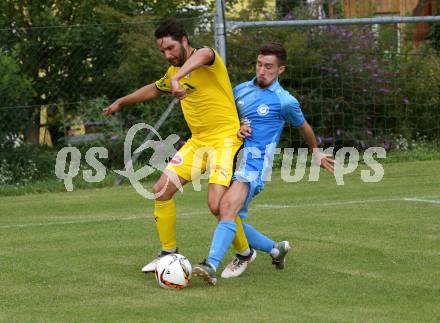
(258,206)
(286,206)
(96,220)
(43,224)
(422,200)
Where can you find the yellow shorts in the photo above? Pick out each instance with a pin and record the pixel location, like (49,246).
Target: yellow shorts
(198,156)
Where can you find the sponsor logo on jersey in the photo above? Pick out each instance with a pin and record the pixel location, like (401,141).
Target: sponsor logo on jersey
(177,160)
(263,110)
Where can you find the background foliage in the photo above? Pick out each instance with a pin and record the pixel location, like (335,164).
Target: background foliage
(358,86)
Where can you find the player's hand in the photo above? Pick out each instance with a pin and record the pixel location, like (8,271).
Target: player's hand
(176,90)
(245,131)
(111,108)
(324,160)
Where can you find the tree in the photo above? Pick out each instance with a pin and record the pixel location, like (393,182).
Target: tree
(15,90)
(73,51)
(434,34)
(69,47)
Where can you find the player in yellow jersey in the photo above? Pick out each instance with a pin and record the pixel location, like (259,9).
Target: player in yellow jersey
(198,77)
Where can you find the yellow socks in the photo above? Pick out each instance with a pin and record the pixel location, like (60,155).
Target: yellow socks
(240,242)
(165,216)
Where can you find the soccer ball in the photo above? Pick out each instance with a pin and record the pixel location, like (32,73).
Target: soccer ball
(173,271)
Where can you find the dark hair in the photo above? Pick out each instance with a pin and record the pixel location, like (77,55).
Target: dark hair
(275,49)
(171,28)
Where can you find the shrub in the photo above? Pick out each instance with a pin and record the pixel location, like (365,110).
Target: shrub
(26,164)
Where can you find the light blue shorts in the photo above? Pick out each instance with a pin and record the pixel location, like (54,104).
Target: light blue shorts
(255,187)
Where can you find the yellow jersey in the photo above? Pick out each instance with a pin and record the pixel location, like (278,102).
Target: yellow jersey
(209,108)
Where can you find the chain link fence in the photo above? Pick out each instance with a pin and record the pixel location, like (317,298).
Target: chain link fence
(361,86)
(56,80)
(71,73)
(358,85)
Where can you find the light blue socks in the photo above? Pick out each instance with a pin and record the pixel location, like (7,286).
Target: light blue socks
(258,240)
(223,236)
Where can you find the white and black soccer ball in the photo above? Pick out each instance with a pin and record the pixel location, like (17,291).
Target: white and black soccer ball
(173,271)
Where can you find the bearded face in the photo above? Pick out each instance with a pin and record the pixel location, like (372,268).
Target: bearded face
(174,51)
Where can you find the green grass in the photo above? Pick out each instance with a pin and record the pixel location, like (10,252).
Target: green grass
(53,184)
(423,151)
(361,253)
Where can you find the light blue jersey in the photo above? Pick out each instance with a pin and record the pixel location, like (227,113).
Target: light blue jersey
(266,110)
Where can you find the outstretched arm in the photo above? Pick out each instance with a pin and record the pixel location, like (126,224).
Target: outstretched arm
(201,57)
(324,160)
(145,93)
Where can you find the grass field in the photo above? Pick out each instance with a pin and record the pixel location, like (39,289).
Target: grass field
(362,252)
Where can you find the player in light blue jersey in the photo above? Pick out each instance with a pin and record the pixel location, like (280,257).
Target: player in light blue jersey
(264,107)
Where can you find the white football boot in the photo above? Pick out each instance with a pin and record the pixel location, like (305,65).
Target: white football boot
(151,266)
(238,265)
